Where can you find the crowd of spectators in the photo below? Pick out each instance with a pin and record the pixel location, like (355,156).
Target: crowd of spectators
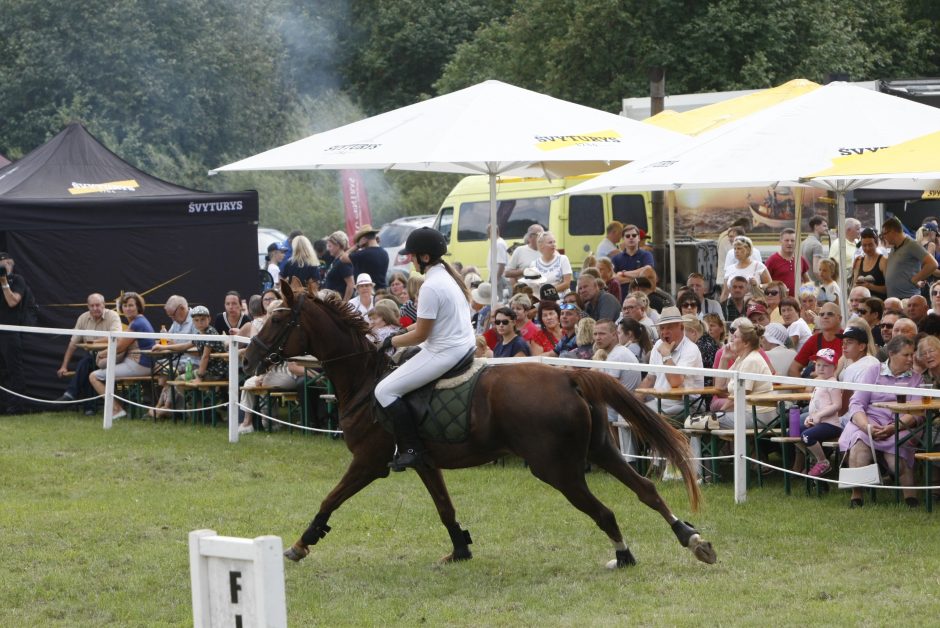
(756,317)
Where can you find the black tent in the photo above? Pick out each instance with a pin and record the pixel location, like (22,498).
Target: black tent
(78,219)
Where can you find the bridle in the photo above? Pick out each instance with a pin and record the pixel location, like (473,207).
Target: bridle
(275,356)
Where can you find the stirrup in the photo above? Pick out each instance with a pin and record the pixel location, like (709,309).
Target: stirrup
(410,459)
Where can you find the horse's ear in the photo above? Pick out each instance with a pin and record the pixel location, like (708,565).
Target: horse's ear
(286,293)
(311,288)
(295,285)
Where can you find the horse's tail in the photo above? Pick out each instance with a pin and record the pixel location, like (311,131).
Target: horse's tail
(648,426)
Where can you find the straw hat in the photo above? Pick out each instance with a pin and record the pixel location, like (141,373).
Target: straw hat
(364,230)
(670,315)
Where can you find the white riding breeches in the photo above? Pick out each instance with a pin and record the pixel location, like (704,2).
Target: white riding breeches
(416,372)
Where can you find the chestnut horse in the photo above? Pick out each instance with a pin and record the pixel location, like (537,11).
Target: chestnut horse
(555,426)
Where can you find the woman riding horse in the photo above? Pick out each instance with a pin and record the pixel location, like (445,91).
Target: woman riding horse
(570,428)
(444,332)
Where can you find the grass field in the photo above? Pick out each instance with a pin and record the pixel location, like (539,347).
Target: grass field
(94,527)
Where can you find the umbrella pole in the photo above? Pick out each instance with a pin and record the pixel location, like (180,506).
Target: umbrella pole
(494,234)
(798,253)
(843,287)
(671,243)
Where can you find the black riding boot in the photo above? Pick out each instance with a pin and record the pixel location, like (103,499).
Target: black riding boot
(411,451)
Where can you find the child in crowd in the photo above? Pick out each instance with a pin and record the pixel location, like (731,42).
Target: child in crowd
(211,369)
(797,329)
(821,420)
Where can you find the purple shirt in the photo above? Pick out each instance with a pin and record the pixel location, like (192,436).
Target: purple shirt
(862,400)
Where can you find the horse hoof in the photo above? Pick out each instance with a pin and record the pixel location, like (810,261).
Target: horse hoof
(296,554)
(624,559)
(702,550)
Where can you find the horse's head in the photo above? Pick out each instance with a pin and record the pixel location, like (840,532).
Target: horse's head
(281,337)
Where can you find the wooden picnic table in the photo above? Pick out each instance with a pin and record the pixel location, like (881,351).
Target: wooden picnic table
(771,399)
(679,393)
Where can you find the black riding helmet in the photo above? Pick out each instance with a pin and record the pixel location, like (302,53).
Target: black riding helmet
(425,241)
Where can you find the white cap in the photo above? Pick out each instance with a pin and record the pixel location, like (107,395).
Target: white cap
(364,279)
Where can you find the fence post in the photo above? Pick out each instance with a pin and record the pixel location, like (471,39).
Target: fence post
(232,390)
(740,440)
(109,383)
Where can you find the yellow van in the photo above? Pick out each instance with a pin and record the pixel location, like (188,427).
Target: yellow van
(578,222)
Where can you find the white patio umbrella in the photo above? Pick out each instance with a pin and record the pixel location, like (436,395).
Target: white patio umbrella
(491,128)
(780,145)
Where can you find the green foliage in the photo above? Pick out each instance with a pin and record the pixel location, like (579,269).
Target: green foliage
(597,52)
(396,50)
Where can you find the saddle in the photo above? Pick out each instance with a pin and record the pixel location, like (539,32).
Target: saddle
(440,407)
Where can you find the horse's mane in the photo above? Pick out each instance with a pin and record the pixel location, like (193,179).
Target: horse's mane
(346,317)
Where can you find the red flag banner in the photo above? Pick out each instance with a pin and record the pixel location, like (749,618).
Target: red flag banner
(356,201)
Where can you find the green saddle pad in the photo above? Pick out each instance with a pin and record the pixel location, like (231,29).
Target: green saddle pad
(443,413)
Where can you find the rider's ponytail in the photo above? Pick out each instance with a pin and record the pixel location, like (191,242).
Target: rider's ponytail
(456,277)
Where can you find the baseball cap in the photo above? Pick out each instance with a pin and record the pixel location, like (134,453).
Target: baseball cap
(4,256)
(854,333)
(548,292)
(199,310)
(755,308)
(826,355)
(277,246)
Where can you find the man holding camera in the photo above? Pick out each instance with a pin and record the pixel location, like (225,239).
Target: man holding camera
(11,342)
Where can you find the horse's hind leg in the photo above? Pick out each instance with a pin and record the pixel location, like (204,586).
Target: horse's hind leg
(434,481)
(360,474)
(610,460)
(568,477)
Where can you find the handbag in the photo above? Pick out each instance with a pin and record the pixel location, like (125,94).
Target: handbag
(869,474)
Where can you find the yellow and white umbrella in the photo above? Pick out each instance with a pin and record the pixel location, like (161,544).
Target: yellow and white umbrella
(910,165)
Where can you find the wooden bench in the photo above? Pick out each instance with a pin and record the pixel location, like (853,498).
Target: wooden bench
(928,458)
(134,391)
(195,395)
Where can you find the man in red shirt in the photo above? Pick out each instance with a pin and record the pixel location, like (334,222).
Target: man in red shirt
(828,326)
(780,264)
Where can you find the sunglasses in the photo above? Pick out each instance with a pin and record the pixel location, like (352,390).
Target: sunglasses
(631,235)
(501,321)
(568,307)
(771,293)
(690,304)
(886,325)
(863,312)
(935,294)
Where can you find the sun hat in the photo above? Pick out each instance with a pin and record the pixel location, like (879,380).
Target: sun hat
(199,310)
(776,333)
(482,294)
(826,355)
(853,333)
(670,315)
(365,230)
(364,279)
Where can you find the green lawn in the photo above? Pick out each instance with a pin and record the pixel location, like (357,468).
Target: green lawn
(94,529)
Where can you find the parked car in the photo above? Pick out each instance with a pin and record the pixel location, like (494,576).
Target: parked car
(392,238)
(265,237)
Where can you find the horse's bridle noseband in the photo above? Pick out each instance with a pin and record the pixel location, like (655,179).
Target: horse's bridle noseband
(275,356)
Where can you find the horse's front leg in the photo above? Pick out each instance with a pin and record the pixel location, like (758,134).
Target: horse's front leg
(434,481)
(362,471)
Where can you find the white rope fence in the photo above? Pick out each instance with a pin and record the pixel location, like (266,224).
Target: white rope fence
(288,424)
